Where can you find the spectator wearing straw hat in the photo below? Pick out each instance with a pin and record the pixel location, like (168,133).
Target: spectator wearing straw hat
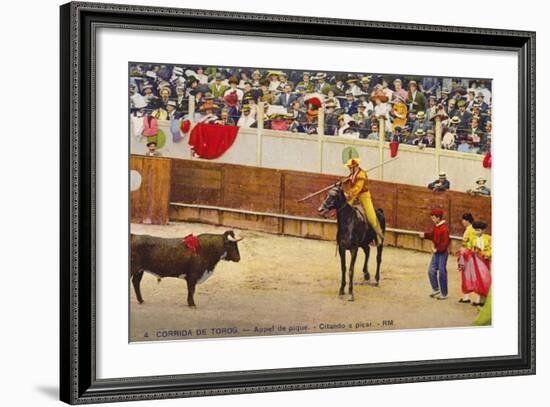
(256,77)
(217,88)
(246,120)
(353,85)
(428,140)
(171,109)
(321,82)
(454,125)
(420,122)
(481,188)
(274,82)
(444,99)
(441,184)
(418,135)
(148,94)
(165,92)
(365,84)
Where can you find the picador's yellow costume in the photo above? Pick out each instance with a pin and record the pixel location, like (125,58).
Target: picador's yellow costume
(356,188)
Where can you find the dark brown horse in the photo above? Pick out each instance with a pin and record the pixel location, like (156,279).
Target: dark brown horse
(353,233)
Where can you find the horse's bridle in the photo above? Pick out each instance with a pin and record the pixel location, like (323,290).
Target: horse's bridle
(342,207)
(344,204)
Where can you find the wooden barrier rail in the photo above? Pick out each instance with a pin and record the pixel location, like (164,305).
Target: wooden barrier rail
(150,203)
(277,191)
(267,200)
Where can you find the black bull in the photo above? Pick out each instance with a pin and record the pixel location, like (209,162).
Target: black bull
(171,258)
(353,233)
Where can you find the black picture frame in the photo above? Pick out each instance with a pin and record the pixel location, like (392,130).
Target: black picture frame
(78,382)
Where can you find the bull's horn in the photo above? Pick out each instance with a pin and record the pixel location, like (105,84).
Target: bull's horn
(232,239)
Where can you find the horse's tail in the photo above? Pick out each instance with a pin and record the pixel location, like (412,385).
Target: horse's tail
(381,219)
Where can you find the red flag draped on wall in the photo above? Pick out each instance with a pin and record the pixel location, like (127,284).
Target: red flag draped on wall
(394,145)
(488,160)
(212,140)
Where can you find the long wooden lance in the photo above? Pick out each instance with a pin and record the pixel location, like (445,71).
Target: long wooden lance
(305,198)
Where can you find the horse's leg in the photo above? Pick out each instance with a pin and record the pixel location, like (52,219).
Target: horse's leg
(351,267)
(366,249)
(378,263)
(136,280)
(342,252)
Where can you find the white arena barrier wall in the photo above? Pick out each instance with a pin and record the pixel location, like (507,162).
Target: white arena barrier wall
(323,154)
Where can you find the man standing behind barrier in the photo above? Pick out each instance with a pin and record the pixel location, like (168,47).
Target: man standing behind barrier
(441,184)
(355,188)
(437,272)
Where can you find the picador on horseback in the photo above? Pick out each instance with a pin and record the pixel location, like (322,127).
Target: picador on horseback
(357,227)
(356,189)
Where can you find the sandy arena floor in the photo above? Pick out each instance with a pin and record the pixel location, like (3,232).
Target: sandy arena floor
(288,285)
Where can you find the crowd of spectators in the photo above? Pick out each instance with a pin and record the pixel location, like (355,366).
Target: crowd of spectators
(352,103)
